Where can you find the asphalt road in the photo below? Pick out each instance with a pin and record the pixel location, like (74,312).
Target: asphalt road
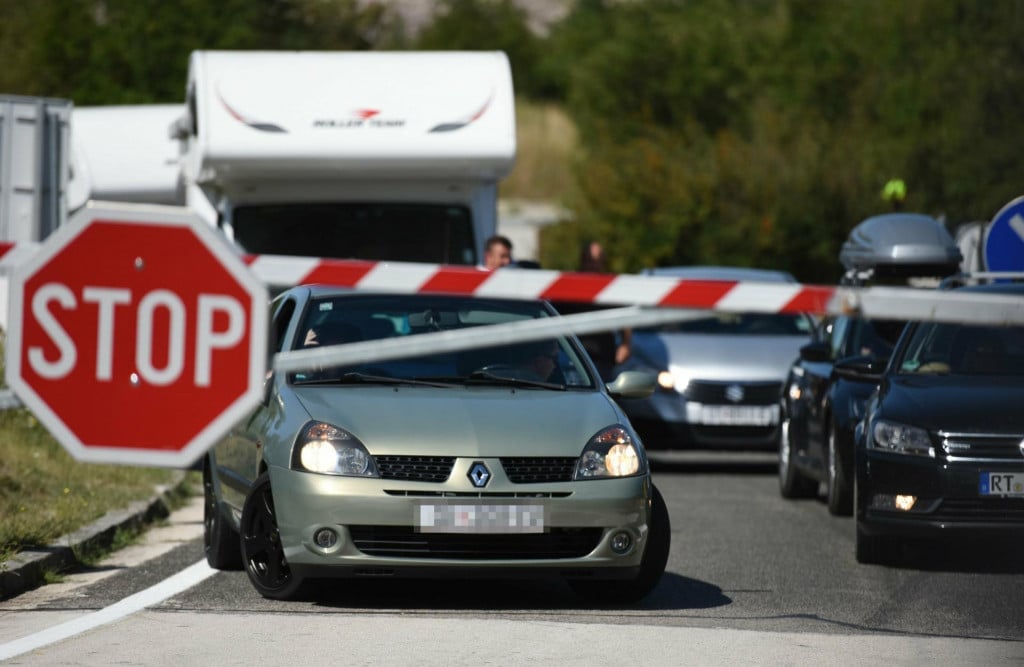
(742,559)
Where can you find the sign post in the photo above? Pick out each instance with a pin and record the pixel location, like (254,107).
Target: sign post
(1004,240)
(136,336)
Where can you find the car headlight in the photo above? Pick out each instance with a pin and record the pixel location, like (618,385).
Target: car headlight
(670,380)
(613,452)
(890,436)
(330,450)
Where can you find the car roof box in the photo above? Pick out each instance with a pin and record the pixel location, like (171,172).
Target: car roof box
(900,245)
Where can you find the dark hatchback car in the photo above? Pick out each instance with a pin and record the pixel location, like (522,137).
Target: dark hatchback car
(941,448)
(822,403)
(824,395)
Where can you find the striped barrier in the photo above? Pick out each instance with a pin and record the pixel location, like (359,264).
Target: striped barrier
(632,301)
(623,290)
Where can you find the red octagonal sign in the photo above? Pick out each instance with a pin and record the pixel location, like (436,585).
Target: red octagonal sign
(137,336)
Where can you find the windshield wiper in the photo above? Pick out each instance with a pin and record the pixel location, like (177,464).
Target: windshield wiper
(487,377)
(366,378)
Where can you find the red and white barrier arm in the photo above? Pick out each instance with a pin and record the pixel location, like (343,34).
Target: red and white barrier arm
(623,290)
(645,291)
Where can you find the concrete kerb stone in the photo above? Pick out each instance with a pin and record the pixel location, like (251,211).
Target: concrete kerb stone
(28,568)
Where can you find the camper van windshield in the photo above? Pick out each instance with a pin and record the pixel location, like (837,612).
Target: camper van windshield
(432,233)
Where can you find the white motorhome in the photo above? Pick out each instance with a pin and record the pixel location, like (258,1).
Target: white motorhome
(124,153)
(371,155)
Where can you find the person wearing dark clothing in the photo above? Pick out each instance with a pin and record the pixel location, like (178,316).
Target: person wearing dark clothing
(606,348)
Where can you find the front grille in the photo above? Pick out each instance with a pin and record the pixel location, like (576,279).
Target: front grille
(993,510)
(754,393)
(982,446)
(415,468)
(538,470)
(406,542)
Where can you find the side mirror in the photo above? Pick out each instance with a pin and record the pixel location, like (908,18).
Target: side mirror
(818,351)
(633,384)
(861,368)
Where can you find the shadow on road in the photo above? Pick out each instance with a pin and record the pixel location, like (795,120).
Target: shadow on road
(978,556)
(674,592)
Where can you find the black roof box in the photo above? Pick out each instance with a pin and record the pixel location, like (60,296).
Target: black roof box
(900,244)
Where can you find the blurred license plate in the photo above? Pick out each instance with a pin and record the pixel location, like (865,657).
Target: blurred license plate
(1001,484)
(480,518)
(737,415)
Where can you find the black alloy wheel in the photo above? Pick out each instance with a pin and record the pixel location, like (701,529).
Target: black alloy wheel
(262,551)
(220,540)
(840,491)
(792,483)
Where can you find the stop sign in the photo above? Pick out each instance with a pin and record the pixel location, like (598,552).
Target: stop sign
(136,336)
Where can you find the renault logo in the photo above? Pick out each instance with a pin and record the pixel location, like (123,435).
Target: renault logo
(479,474)
(734,393)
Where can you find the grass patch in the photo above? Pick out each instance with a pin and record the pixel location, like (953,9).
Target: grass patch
(44,493)
(545,143)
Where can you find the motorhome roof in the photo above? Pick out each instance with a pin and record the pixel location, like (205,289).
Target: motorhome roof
(266,115)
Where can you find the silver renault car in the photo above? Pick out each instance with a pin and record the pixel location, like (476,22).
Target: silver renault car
(497,461)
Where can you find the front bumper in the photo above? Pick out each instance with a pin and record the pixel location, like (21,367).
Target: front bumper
(948,498)
(668,420)
(375,521)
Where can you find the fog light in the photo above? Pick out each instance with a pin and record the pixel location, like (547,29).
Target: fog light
(622,542)
(905,503)
(325,538)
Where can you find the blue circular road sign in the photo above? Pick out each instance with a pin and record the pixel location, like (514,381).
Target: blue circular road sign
(1004,240)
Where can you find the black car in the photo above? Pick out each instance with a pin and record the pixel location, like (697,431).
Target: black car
(823,401)
(941,448)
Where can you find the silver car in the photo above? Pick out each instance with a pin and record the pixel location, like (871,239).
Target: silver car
(720,374)
(495,461)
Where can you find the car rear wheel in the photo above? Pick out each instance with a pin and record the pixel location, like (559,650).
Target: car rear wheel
(792,484)
(262,551)
(652,565)
(220,539)
(840,491)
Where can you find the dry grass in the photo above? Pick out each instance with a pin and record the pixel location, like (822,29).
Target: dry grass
(546,141)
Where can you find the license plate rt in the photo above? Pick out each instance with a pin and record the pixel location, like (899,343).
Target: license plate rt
(1001,484)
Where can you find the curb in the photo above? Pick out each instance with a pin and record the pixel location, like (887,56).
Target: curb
(27,570)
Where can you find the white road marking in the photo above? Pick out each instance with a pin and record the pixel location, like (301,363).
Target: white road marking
(155,594)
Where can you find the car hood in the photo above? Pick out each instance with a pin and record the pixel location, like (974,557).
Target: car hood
(721,357)
(955,403)
(481,421)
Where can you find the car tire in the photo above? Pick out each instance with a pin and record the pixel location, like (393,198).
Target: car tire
(840,488)
(652,565)
(220,540)
(262,551)
(792,483)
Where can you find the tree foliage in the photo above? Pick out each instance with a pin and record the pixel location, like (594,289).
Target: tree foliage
(752,132)
(136,51)
(760,133)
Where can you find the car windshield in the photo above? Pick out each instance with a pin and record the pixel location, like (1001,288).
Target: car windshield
(750,324)
(940,348)
(553,363)
(417,232)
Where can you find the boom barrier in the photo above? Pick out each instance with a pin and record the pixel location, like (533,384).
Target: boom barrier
(631,300)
